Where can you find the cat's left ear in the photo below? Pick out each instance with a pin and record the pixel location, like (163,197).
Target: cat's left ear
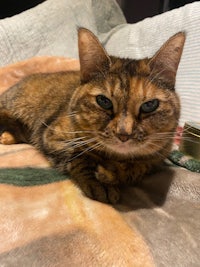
(92,55)
(164,63)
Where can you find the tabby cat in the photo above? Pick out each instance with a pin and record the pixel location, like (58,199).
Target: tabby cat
(108,124)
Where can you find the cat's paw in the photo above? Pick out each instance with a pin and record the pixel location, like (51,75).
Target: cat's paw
(101,192)
(104,175)
(7,138)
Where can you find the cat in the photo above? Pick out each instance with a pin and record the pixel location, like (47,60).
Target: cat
(108,124)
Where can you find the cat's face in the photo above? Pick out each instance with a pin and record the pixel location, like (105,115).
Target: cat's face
(127,115)
(124,106)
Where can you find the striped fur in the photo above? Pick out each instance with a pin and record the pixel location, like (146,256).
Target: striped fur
(100,146)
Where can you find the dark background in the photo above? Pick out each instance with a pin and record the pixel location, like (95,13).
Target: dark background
(9,8)
(134,10)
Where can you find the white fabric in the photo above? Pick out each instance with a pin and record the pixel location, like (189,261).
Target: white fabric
(51,29)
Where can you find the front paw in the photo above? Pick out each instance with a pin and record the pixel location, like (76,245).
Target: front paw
(99,191)
(105,176)
(7,138)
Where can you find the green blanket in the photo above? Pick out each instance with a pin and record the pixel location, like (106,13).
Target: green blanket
(185,161)
(41,176)
(30,176)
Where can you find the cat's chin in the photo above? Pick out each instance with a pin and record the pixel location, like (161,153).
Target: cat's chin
(124,149)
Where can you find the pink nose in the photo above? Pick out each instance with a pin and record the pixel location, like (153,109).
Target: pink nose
(123,137)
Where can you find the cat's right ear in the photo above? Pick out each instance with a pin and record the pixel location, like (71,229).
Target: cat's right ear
(164,63)
(93,57)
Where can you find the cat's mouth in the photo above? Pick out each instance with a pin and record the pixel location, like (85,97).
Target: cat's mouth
(124,148)
(133,148)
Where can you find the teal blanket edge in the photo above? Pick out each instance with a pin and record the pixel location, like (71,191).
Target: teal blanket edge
(30,176)
(184,161)
(42,176)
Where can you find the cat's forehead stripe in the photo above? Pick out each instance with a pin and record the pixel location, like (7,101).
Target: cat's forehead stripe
(114,86)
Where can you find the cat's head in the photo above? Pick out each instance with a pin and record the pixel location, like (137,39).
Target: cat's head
(128,106)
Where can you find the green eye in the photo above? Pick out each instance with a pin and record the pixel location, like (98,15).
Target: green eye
(104,102)
(149,106)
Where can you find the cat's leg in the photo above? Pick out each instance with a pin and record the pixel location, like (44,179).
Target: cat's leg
(123,172)
(11,130)
(83,172)
(82,168)
(106,175)
(6,138)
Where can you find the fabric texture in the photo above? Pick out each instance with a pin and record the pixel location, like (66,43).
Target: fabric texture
(155,224)
(185,161)
(30,176)
(51,28)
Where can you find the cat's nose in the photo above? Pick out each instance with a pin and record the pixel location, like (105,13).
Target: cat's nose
(123,137)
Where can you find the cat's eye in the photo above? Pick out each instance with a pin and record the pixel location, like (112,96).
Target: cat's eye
(149,106)
(104,102)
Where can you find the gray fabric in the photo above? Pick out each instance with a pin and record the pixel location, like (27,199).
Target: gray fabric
(51,28)
(165,208)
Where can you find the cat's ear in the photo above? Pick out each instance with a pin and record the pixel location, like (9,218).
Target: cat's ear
(92,55)
(164,63)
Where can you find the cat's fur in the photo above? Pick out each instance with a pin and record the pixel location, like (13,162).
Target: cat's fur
(106,125)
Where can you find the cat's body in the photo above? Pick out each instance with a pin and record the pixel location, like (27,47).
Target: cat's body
(108,124)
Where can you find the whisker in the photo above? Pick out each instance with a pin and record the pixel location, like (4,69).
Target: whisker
(73,113)
(153,146)
(89,149)
(159,148)
(152,77)
(68,132)
(82,143)
(74,140)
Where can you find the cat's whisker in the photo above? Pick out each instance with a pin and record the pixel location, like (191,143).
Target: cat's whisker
(67,144)
(164,134)
(151,149)
(83,143)
(190,140)
(152,77)
(158,148)
(88,149)
(73,113)
(74,140)
(68,132)
(187,128)
(74,143)
(69,115)
(157,137)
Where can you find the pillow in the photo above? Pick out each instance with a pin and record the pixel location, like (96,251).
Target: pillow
(51,28)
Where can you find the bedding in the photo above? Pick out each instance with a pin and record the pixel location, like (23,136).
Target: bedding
(44,219)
